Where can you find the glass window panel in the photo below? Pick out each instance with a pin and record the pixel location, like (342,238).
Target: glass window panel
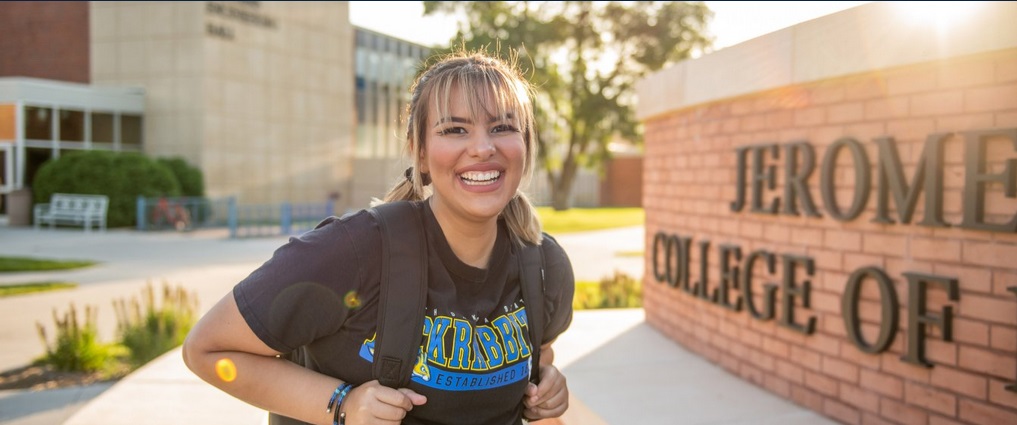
(130,130)
(38,123)
(34,158)
(102,127)
(72,126)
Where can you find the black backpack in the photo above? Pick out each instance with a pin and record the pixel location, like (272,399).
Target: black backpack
(404,291)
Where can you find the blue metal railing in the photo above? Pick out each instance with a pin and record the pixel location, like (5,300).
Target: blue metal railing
(186,213)
(180,213)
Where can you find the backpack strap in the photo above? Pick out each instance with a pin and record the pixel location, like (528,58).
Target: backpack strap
(531,278)
(403,292)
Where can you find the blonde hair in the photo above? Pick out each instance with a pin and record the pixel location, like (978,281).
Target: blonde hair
(479,80)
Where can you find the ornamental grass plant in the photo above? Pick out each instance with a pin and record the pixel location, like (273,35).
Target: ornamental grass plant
(148,330)
(145,330)
(77,347)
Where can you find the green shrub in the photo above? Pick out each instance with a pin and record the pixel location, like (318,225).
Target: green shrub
(77,348)
(192,183)
(120,176)
(150,333)
(618,291)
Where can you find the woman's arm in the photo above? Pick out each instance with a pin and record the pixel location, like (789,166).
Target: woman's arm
(223,350)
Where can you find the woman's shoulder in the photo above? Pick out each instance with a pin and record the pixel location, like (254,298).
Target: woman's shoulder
(552,249)
(358,228)
(557,265)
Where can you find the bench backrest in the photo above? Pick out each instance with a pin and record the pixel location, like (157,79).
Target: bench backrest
(65,202)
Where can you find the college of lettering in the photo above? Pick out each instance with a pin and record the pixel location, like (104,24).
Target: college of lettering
(460,356)
(734,288)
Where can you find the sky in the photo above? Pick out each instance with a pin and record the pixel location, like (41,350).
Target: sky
(733,21)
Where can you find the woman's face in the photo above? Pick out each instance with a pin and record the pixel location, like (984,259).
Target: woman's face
(475,162)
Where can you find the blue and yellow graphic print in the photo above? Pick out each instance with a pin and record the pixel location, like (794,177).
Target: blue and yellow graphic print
(460,355)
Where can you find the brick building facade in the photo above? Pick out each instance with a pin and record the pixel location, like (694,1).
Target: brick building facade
(62,53)
(838,226)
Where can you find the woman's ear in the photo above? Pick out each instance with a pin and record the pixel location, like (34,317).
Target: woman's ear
(422,161)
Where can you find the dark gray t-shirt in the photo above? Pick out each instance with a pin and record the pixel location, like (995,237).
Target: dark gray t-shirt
(318,295)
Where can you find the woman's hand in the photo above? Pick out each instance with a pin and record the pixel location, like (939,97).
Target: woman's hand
(376,404)
(549,399)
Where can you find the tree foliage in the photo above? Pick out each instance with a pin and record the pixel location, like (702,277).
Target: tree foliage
(584,59)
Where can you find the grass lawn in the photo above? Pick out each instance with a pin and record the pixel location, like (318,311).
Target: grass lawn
(27,288)
(24,264)
(583,219)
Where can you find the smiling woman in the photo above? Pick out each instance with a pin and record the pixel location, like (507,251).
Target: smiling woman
(484,268)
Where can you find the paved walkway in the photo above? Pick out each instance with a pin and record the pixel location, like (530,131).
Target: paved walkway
(620,370)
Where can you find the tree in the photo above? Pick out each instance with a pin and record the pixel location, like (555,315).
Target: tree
(584,59)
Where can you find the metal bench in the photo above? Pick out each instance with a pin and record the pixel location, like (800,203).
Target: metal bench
(65,208)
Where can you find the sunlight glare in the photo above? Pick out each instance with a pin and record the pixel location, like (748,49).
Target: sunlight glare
(941,14)
(226,370)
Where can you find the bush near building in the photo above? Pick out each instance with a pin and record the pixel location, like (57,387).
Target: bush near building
(123,177)
(192,182)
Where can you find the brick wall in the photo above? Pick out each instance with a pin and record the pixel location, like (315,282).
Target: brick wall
(45,40)
(622,184)
(690,181)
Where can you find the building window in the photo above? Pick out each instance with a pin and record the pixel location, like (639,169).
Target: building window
(130,130)
(102,128)
(38,123)
(72,126)
(34,158)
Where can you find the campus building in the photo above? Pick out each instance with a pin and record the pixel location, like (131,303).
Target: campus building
(384,68)
(837,225)
(273,101)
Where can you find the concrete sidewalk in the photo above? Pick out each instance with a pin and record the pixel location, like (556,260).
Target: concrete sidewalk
(620,371)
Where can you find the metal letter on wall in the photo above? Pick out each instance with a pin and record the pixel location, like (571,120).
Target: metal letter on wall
(660,239)
(676,259)
(769,289)
(739,201)
(791,290)
(975,179)
(760,176)
(699,288)
(918,317)
(928,175)
(728,278)
(889,308)
(795,187)
(862,179)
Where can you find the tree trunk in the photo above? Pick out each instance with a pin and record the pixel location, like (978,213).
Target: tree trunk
(561,190)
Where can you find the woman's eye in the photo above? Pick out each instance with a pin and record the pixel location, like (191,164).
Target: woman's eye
(452,130)
(504,128)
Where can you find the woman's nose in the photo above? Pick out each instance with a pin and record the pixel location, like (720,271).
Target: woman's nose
(482,146)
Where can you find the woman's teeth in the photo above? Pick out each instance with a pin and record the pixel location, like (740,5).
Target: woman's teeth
(476,178)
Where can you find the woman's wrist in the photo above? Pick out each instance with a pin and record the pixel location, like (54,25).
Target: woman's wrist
(335,403)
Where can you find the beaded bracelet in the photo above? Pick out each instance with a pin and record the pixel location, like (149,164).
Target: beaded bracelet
(338,397)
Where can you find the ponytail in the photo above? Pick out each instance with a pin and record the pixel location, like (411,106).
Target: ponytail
(410,188)
(522,220)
